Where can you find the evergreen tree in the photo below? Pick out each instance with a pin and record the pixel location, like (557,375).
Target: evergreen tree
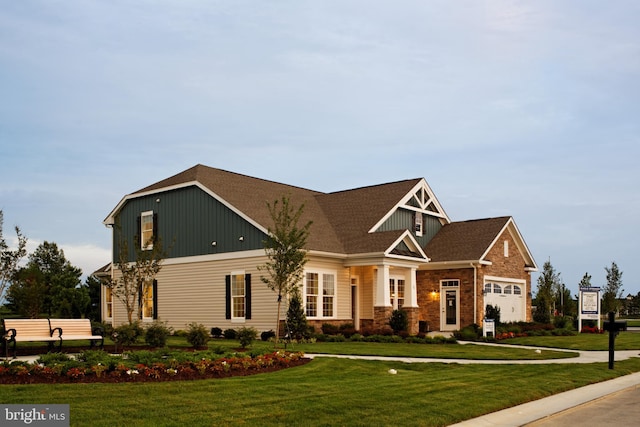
(297,325)
(585,282)
(60,278)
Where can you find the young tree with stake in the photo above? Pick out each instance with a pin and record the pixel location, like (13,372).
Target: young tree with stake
(285,249)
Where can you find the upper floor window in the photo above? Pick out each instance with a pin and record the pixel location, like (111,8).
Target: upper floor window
(108,296)
(418,223)
(146,230)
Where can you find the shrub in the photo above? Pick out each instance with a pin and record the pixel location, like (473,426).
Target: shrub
(247,336)
(330,329)
(491,312)
(468,333)
(156,334)
(230,334)
(267,335)
(127,335)
(216,332)
(399,321)
(197,335)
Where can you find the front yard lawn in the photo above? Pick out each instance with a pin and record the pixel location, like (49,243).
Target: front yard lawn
(324,392)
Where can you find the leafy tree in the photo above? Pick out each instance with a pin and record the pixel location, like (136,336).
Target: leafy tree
(612,291)
(26,295)
(61,280)
(585,282)
(548,285)
(9,258)
(285,251)
(297,325)
(131,285)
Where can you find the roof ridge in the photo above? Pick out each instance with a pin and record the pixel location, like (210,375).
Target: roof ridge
(365,187)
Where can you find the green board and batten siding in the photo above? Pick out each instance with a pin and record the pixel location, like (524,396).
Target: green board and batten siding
(188,221)
(402,219)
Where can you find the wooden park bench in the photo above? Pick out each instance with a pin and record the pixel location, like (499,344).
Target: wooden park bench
(51,331)
(78,329)
(24,330)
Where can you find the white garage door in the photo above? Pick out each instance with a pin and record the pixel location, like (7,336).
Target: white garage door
(509,297)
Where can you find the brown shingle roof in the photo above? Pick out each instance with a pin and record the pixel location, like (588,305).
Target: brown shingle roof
(465,240)
(250,196)
(341,220)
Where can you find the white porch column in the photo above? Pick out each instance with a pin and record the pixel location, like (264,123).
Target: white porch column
(383,297)
(411,291)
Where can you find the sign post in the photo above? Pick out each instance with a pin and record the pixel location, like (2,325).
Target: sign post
(589,306)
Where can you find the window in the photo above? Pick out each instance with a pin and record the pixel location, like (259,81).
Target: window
(487,288)
(238,296)
(506,249)
(108,296)
(450,283)
(517,290)
(418,223)
(328,293)
(320,285)
(146,230)
(396,292)
(507,289)
(147,301)
(497,289)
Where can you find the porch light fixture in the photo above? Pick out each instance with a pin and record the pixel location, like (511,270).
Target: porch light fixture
(241,238)
(214,243)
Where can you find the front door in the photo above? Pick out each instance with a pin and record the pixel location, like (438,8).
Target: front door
(450,310)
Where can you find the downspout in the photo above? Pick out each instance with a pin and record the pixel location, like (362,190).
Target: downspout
(475,293)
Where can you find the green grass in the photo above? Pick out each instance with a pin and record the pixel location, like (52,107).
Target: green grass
(438,351)
(323,392)
(624,341)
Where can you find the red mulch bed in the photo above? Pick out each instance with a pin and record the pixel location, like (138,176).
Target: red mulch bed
(119,377)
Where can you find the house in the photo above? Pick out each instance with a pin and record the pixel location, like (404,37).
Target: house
(370,250)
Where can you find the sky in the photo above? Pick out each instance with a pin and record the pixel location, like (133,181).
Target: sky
(527,109)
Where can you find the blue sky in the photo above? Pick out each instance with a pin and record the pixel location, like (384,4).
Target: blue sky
(527,109)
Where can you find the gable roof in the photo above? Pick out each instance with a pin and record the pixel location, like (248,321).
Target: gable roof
(472,240)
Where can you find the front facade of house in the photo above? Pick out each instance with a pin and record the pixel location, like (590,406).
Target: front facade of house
(370,250)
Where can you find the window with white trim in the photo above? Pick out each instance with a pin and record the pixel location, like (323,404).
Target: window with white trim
(108,297)
(396,292)
(147,301)
(146,230)
(320,294)
(238,301)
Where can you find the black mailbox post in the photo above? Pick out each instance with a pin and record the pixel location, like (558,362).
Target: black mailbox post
(613,327)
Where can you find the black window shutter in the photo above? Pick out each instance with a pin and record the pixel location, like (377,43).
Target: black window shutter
(228,296)
(138,232)
(247,296)
(155,299)
(154,237)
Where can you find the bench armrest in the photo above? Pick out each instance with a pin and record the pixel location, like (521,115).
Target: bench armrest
(10,334)
(59,331)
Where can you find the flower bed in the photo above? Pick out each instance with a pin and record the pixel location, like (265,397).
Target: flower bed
(126,370)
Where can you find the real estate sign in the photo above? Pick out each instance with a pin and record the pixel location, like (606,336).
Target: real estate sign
(589,305)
